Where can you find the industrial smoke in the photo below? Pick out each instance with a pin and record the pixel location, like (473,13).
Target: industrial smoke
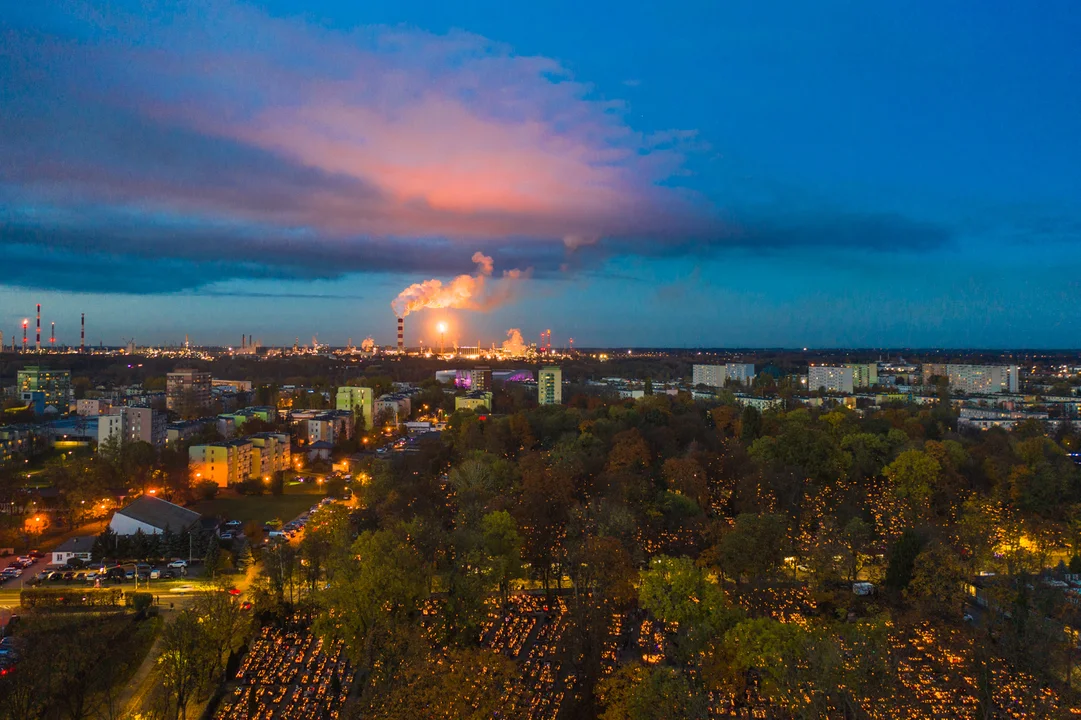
(514,344)
(466,292)
(368,344)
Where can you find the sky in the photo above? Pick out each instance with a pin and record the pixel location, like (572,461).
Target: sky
(698,174)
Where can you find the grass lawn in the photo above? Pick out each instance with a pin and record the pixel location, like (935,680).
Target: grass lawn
(260,508)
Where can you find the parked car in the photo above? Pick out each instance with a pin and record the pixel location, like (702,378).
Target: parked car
(178,563)
(92,576)
(166,574)
(69,575)
(37,554)
(155,573)
(226,536)
(54,576)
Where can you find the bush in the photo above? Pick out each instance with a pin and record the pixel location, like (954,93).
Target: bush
(1075,564)
(140,601)
(250,487)
(207,489)
(71,597)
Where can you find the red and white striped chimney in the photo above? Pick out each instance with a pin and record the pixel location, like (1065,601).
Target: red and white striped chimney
(401,334)
(37,342)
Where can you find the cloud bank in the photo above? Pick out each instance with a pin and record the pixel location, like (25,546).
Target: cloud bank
(218,142)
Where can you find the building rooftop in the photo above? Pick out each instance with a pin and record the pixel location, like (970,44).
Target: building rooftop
(79,544)
(160,513)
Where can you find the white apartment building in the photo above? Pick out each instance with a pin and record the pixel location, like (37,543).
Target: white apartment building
(864,375)
(740,372)
(718,375)
(983,379)
(833,379)
(709,375)
(550,386)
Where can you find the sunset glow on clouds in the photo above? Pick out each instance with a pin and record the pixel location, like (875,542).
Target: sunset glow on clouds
(223,115)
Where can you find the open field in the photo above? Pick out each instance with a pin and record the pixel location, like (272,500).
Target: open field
(260,508)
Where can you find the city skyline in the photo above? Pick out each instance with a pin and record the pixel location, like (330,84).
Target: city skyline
(835,176)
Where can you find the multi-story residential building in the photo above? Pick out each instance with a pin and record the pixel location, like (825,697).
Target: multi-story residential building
(930,370)
(322,429)
(187,389)
(709,375)
(358,400)
(983,379)
(109,427)
(270,453)
(17,441)
(51,387)
(832,379)
(264,413)
(550,386)
(742,373)
(397,405)
(322,425)
(90,408)
(179,432)
(864,375)
(226,463)
(717,376)
(476,400)
(143,424)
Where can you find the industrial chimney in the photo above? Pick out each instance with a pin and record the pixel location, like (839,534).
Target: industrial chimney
(37,342)
(82,333)
(401,334)
(52,335)
(25,324)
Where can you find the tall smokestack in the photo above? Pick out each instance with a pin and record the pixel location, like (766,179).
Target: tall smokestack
(243,341)
(25,324)
(37,342)
(82,333)
(52,335)
(401,334)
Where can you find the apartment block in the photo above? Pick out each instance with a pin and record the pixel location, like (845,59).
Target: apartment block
(226,463)
(832,379)
(550,386)
(358,400)
(187,389)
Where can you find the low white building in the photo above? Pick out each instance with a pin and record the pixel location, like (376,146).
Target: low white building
(760,404)
(152,516)
(76,547)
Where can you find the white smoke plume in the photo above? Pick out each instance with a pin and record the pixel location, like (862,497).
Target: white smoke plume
(467,292)
(368,344)
(514,344)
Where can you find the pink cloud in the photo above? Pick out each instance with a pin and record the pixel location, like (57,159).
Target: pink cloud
(440,135)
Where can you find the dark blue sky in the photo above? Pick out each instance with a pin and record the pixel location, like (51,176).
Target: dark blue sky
(692,174)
